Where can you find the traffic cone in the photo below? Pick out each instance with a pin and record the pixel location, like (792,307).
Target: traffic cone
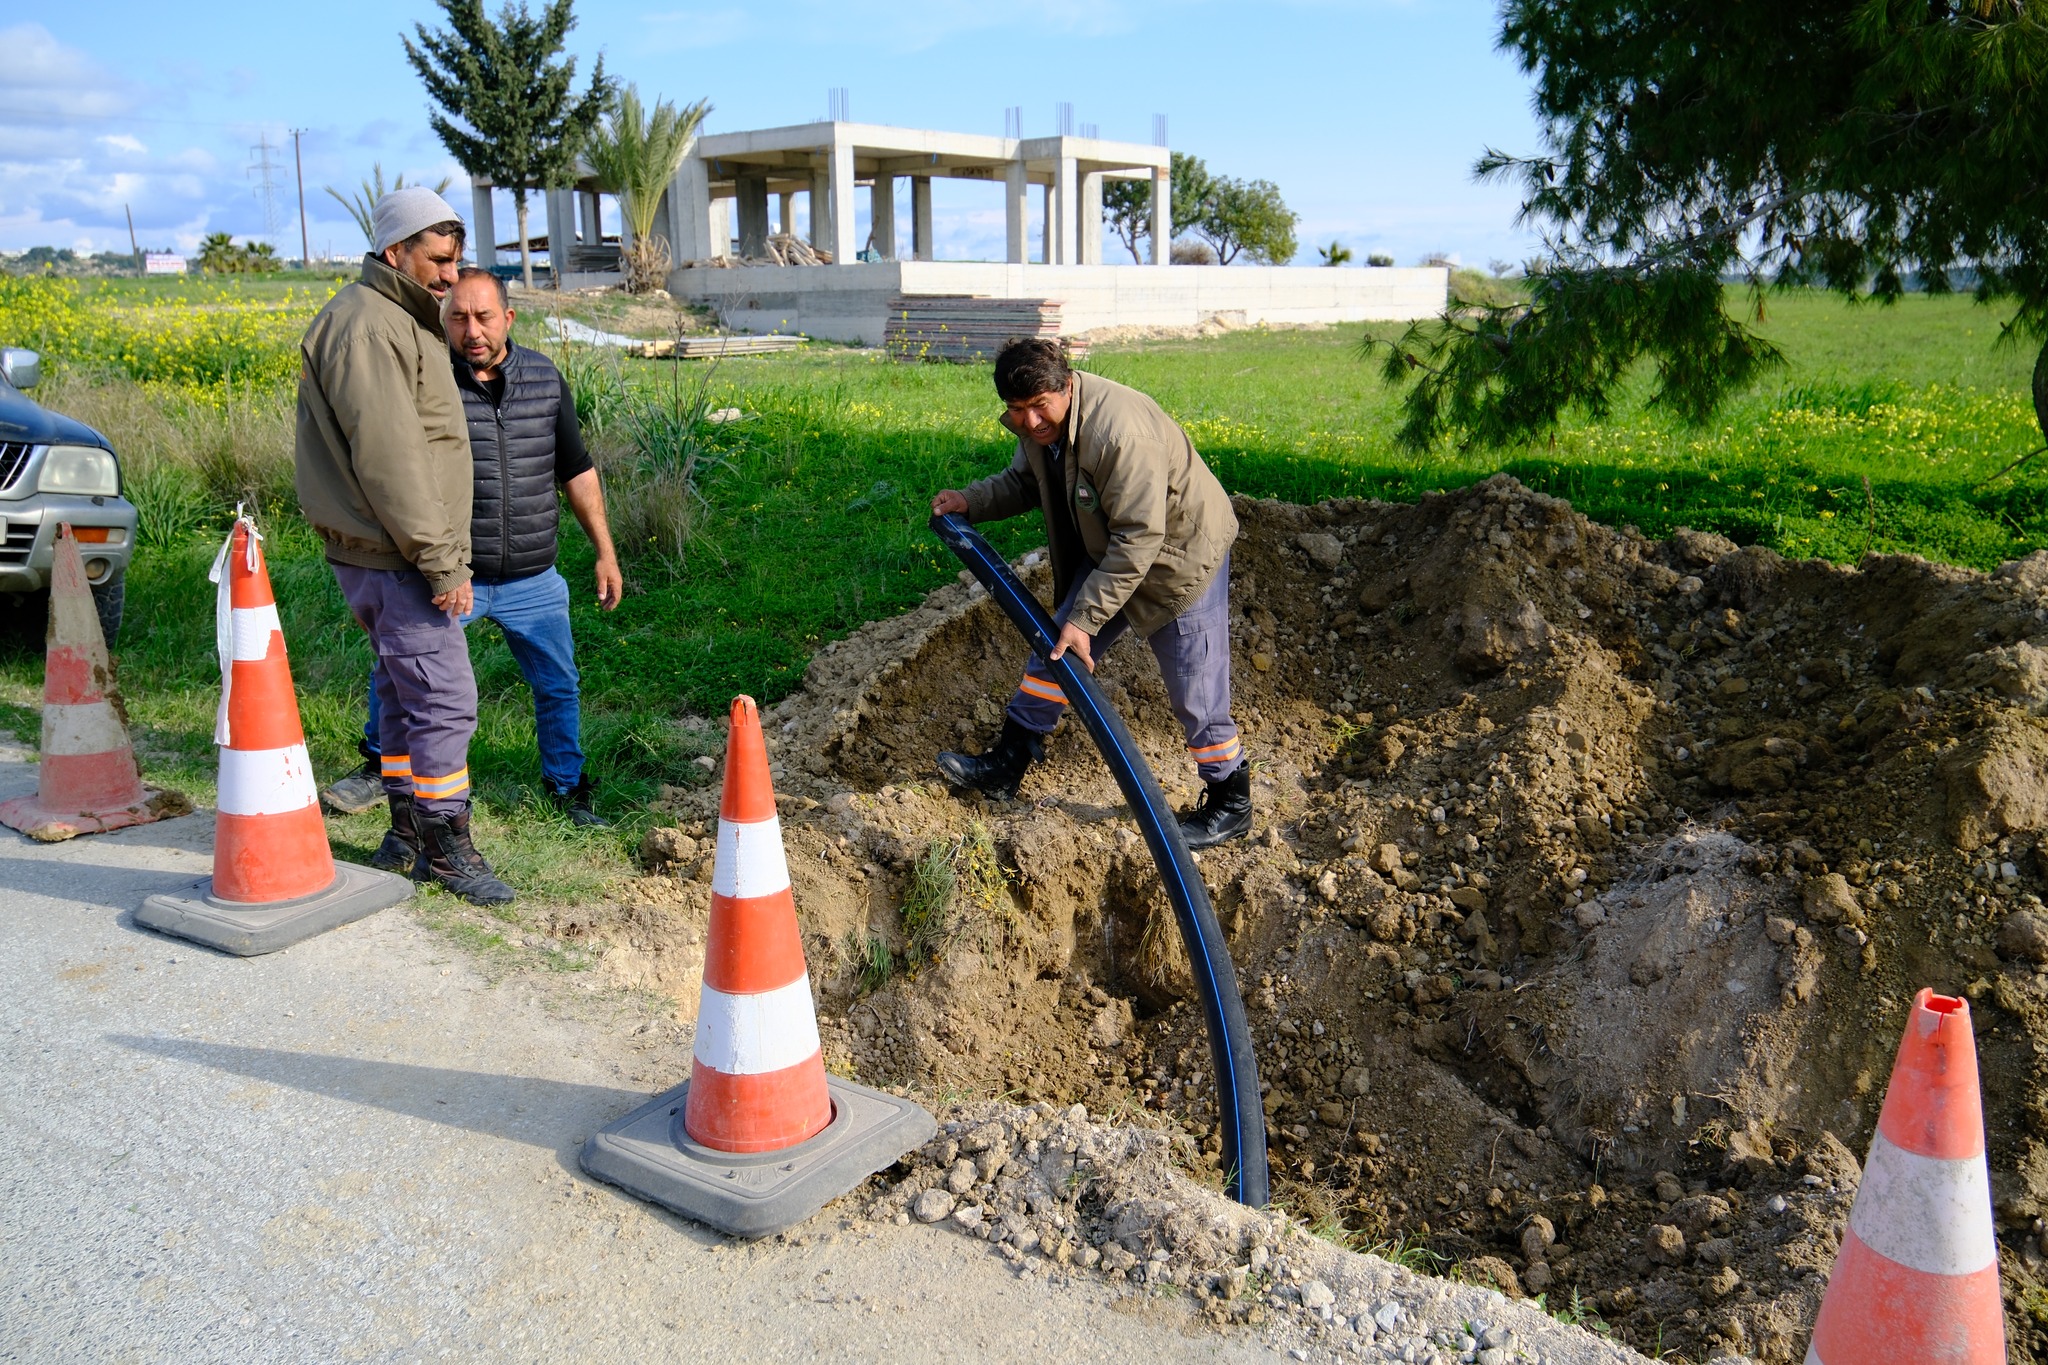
(757,1079)
(87,782)
(274,880)
(759,1138)
(1916,1279)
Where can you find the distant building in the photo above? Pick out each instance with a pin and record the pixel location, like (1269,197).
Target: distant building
(730,221)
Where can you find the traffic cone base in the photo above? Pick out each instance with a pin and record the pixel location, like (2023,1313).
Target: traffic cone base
(1916,1279)
(87,781)
(760,1138)
(245,930)
(650,1154)
(275,881)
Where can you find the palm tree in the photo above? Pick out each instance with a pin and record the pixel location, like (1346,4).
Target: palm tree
(635,153)
(1336,253)
(363,206)
(218,254)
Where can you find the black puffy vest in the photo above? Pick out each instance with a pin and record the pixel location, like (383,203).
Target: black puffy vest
(515,514)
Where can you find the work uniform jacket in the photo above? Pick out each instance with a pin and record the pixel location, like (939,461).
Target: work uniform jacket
(381,455)
(524,443)
(1149,514)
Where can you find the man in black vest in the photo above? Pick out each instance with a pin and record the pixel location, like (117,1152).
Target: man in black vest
(525,443)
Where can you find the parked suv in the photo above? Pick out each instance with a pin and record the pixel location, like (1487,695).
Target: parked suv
(54,470)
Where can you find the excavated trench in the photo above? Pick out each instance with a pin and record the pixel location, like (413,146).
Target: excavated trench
(1592,878)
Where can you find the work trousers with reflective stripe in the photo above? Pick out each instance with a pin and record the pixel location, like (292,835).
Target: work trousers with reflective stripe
(534,614)
(1193,651)
(426,692)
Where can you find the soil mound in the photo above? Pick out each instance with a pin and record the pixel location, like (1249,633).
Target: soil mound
(1592,879)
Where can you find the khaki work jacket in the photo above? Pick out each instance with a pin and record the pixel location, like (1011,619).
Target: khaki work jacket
(381,458)
(1149,512)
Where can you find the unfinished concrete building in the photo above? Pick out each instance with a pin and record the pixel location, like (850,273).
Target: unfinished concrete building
(730,217)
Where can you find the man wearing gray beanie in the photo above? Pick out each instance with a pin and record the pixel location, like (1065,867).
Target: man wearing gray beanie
(384,475)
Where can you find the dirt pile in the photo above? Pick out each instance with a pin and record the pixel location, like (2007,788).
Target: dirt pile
(1593,876)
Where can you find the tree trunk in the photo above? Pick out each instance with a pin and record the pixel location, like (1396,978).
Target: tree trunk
(525,253)
(2041,390)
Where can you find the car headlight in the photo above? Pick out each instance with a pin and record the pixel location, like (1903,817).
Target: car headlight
(86,471)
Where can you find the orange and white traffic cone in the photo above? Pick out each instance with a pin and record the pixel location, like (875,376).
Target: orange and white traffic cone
(757,1080)
(274,879)
(1916,1279)
(87,781)
(760,1138)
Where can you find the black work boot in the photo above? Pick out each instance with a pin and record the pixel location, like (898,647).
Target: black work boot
(400,851)
(996,772)
(449,858)
(579,803)
(1225,811)
(361,789)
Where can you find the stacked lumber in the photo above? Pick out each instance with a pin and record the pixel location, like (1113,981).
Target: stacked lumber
(711,347)
(964,328)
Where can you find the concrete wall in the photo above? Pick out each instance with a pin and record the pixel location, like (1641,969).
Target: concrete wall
(848,303)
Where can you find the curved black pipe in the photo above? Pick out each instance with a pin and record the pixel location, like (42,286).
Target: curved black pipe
(1230,1042)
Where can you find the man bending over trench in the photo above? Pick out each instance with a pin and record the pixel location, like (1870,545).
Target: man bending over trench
(1139,531)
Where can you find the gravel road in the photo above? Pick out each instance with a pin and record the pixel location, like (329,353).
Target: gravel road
(361,1149)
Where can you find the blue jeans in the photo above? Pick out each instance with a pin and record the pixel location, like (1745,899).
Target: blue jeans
(534,614)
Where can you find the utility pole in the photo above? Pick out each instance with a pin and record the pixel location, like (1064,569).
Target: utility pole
(299,165)
(132,247)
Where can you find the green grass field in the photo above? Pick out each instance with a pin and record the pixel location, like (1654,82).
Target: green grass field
(814,504)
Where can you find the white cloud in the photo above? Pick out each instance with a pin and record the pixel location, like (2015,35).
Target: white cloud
(73,159)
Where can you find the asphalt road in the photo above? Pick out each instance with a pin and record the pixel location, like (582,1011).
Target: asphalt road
(361,1149)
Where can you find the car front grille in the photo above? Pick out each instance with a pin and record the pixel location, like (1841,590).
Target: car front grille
(13,458)
(21,538)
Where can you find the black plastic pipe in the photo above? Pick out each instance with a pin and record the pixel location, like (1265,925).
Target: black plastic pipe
(1230,1042)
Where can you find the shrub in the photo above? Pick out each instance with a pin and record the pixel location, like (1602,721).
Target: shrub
(653,473)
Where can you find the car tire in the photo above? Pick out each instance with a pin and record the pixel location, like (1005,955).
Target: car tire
(109,598)
(25,619)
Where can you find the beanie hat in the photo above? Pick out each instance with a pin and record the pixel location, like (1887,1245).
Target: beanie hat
(401,213)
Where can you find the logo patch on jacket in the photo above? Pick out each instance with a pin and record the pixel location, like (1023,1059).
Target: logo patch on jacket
(1085,499)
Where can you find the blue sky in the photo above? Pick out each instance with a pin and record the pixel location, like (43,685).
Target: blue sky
(1368,115)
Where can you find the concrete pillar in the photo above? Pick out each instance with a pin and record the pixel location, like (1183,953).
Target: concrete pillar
(1089,226)
(882,215)
(1016,213)
(786,213)
(921,217)
(1048,248)
(689,199)
(592,234)
(1162,216)
(1066,185)
(821,211)
(845,251)
(721,227)
(483,228)
(753,206)
(561,210)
